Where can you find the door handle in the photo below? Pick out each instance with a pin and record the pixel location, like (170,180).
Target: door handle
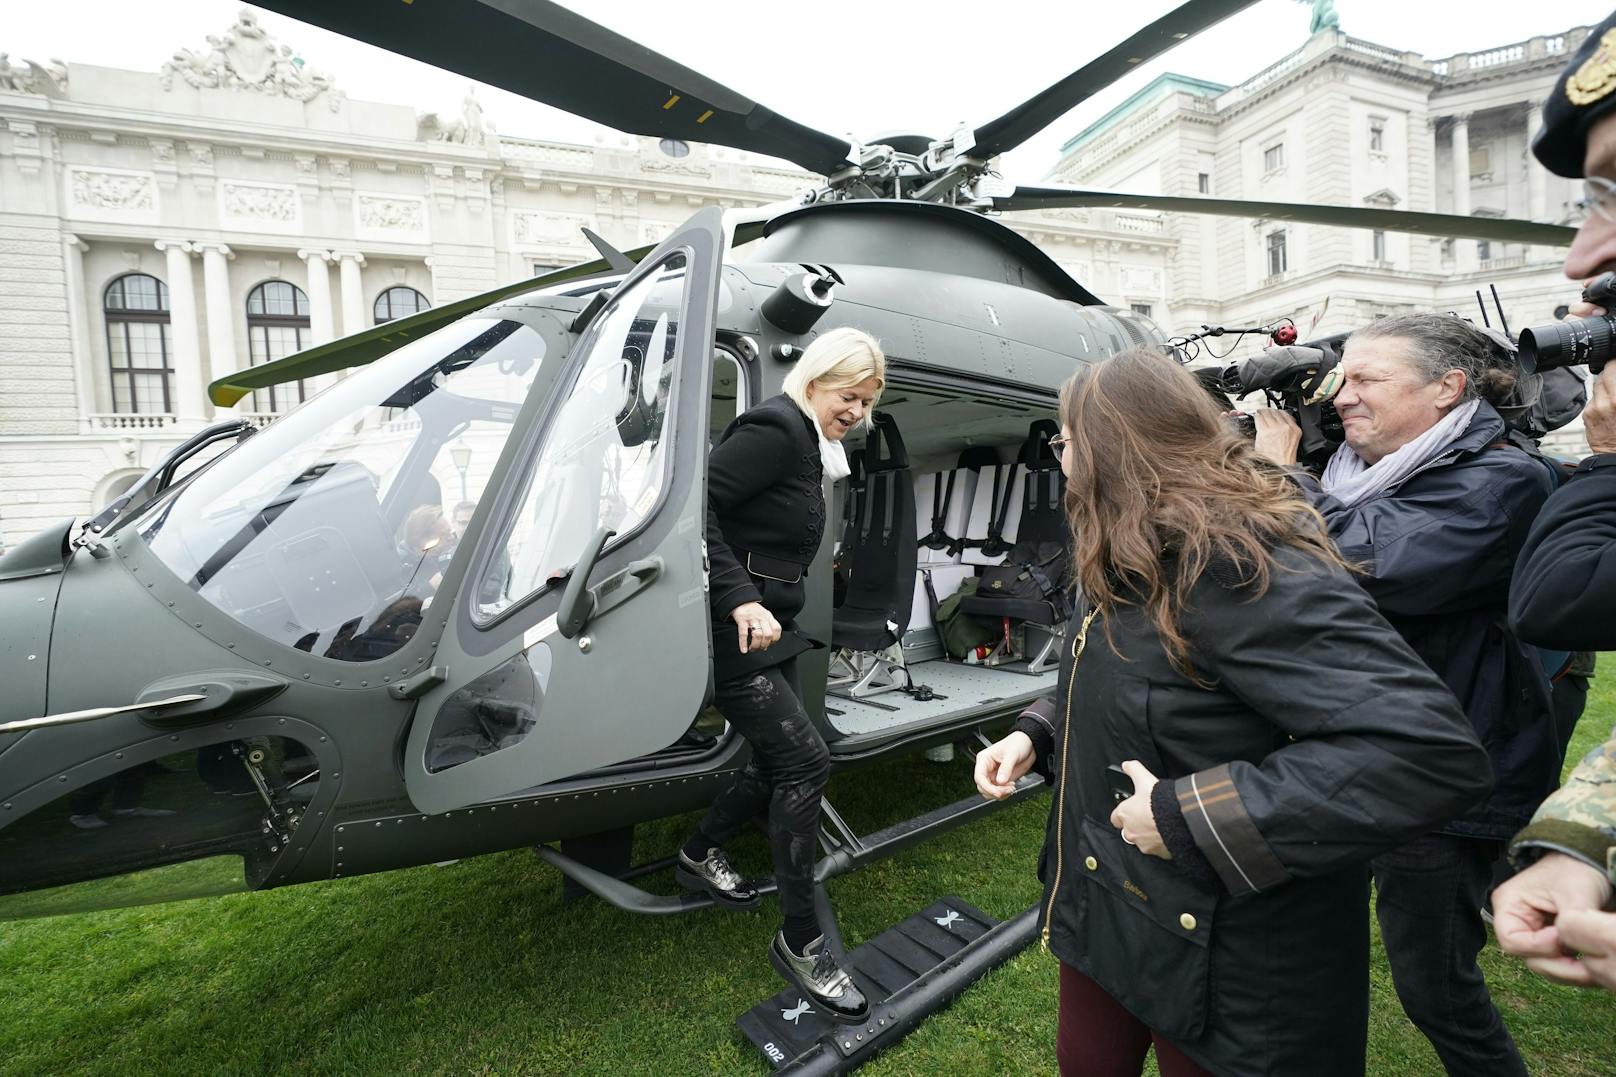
(577,600)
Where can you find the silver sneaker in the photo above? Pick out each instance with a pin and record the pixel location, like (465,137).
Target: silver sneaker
(821,978)
(718,878)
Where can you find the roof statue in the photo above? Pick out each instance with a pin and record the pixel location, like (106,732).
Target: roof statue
(49,79)
(1324,15)
(469,129)
(246,57)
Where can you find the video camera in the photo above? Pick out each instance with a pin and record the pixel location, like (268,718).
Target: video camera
(1300,378)
(1574,341)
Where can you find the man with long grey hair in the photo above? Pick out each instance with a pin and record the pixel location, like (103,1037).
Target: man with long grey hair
(1433,503)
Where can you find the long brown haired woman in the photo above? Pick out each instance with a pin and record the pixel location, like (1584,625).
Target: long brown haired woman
(1277,732)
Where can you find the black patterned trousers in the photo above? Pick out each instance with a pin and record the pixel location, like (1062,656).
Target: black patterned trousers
(785,777)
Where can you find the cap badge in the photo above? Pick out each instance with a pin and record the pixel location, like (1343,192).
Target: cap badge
(1597,76)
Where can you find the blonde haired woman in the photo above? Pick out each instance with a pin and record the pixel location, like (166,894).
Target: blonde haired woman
(765,518)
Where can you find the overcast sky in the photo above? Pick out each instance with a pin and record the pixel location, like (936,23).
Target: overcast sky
(848,67)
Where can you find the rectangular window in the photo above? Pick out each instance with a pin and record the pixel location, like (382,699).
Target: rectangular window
(1380,246)
(1484,250)
(541,268)
(1141,308)
(1203,183)
(1377,136)
(1276,253)
(1273,158)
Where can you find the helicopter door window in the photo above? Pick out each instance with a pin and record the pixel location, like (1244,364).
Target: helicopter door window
(330,530)
(604,459)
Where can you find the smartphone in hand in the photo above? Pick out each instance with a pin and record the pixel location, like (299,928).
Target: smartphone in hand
(1117,780)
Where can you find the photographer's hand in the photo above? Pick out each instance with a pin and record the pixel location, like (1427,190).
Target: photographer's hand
(1278,436)
(1599,417)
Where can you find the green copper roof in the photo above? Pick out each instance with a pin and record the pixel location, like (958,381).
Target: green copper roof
(1158,85)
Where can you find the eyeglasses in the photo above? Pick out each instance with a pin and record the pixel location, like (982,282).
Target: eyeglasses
(1598,196)
(1057,444)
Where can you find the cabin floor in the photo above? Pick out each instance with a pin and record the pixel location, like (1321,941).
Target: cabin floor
(959,689)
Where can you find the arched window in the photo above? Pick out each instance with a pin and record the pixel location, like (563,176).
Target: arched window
(399,302)
(277,326)
(136,309)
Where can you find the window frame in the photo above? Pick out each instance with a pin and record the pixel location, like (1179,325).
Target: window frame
(1273,157)
(1277,241)
(123,316)
(385,297)
(301,323)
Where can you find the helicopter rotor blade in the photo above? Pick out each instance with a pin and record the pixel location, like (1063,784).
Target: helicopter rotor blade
(1039,111)
(544,52)
(358,349)
(1445,225)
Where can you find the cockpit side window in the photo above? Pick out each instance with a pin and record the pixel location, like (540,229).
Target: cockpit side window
(604,459)
(331,529)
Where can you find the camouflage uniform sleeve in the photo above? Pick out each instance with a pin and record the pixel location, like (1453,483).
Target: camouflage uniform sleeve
(1580,819)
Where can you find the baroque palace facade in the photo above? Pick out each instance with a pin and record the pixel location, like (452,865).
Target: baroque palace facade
(160,229)
(1347,122)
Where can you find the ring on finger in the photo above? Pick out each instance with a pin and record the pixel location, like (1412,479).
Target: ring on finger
(1129,840)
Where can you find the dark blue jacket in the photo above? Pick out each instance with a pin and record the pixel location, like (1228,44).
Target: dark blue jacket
(1438,552)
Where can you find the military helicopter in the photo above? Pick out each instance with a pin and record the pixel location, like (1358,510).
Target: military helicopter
(291,654)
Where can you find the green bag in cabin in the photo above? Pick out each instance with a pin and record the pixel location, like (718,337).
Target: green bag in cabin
(960,632)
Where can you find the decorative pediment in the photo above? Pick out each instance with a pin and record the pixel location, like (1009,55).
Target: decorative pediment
(1382,199)
(245,57)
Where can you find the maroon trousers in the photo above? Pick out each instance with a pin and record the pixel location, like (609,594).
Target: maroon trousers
(1097,1037)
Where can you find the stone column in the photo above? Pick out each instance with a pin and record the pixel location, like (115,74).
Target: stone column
(1464,250)
(78,329)
(189,400)
(221,318)
(321,329)
(349,264)
(1536,197)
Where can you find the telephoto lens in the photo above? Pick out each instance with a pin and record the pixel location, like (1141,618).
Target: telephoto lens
(1574,341)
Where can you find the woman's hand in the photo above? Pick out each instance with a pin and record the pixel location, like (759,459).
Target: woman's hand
(1278,436)
(1001,764)
(756,626)
(1133,816)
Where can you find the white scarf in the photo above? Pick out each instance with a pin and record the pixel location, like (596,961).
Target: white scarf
(1349,480)
(832,457)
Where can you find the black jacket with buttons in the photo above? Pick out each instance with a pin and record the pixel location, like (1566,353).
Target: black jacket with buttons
(1321,742)
(765,519)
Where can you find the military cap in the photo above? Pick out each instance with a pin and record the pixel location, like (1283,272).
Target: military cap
(1584,93)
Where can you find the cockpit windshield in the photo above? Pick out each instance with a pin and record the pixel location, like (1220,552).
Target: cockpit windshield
(330,530)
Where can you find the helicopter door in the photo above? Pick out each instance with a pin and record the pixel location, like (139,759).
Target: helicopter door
(580,637)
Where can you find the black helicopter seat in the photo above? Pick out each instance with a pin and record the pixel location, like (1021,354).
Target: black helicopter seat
(879,551)
(1032,584)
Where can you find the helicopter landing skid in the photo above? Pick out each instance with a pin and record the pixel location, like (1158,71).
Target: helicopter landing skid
(847,852)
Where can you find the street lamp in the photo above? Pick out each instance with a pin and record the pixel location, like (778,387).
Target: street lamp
(461,455)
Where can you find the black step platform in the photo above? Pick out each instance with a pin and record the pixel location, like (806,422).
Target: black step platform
(784,1028)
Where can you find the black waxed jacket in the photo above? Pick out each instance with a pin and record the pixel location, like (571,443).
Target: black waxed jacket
(765,520)
(1438,551)
(1564,592)
(1322,742)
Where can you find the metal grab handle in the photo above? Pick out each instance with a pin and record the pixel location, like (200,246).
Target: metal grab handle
(577,601)
(73,717)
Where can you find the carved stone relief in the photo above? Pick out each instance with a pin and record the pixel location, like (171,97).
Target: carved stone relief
(108,193)
(260,206)
(549,229)
(399,217)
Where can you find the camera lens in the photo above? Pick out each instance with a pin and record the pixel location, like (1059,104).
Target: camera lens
(1569,343)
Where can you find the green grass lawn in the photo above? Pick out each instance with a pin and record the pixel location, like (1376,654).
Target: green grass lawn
(479,968)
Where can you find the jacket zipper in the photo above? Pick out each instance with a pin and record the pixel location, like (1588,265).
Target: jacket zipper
(1060,789)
